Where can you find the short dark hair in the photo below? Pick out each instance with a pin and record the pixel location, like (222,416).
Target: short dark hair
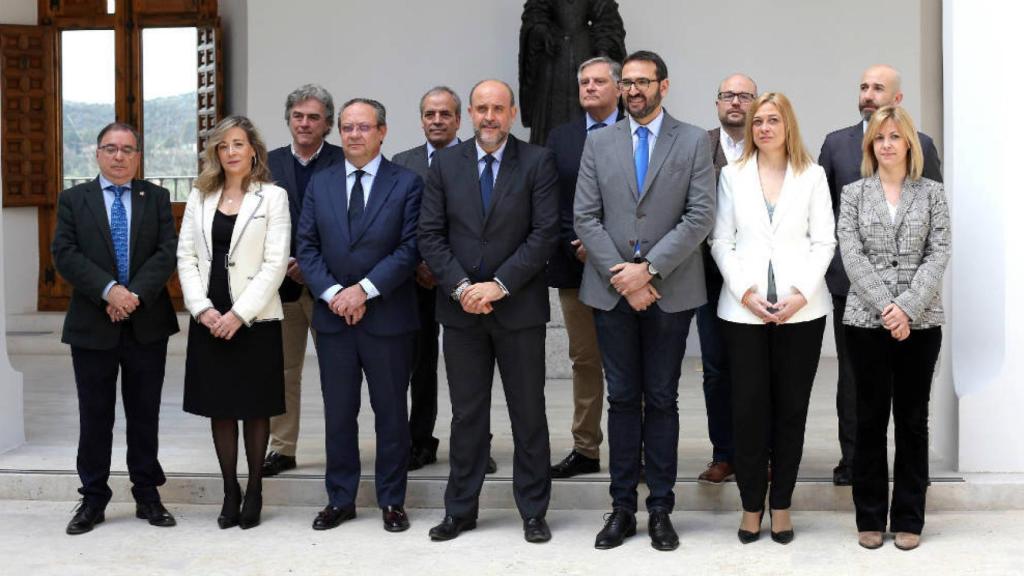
(311,92)
(378,109)
(120,127)
(661,70)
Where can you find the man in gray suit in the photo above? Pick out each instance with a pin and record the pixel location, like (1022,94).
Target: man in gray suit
(645,200)
(841,154)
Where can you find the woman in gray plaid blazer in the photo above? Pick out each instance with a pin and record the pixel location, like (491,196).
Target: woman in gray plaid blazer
(895,241)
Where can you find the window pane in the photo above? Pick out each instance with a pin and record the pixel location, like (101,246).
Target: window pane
(87,98)
(169,108)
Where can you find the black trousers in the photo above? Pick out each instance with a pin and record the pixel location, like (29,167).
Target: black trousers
(423,383)
(470,354)
(897,376)
(773,369)
(846,387)
(142,379)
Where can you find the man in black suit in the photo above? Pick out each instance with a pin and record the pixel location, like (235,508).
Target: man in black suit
(488,223)
(841,155)
(309,111)
(599,97)
(115,244)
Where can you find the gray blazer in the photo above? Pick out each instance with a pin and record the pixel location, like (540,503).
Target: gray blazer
(671,219)
(901,262)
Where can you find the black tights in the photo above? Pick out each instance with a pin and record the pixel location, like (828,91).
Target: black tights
(256,432)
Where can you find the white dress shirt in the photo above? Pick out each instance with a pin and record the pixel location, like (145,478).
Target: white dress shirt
(733,149)
(431,149)
(653,127)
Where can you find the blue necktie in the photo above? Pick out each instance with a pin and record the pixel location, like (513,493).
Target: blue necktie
(487,182)
(356,203)
(640,159)
(595,126)
(119,232)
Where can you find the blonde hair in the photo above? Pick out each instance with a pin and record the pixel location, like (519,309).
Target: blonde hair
(796,153)
(905,128)
(211,177)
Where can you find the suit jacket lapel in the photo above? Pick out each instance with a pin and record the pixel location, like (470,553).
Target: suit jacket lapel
(94,199)
(875,195)
(907,197)
(666,139)
(471,177)
(289,176)
(138,212)
(756,197)
(338,194)
(209,211)
(508,171)
(250,203)
(624,151)
(785,200)
(383,183)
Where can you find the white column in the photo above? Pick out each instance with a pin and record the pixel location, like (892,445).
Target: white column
(12,399)
(983,48)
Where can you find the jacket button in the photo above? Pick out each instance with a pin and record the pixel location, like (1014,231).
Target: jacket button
(895,264)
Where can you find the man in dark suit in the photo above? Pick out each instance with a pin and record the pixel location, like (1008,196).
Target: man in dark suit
(841,155)
(115,245)
(357,250)
(735,95)
(309,111)
(489,223)
(645,200)
(599,97)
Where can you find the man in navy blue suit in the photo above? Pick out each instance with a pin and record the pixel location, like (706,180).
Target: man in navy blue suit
(357,251)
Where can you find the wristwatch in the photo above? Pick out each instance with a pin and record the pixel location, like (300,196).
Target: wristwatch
(650,268)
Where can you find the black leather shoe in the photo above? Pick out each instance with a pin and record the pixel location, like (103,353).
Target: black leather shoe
(783,537)
(155,514)
(332,516)
(575,464)
(536,530)
(86,516)
(748,537)
(451,527)
(252,507)
(230,510)
(663,535)
(492,466)
(277,463)
(618,525)
(842,475)
(420,456)
(395,519)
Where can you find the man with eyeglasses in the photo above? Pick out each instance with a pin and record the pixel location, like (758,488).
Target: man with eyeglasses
(841,155)
(309,112)
(733,99)
(645,200)
(115,244)
(599,97)
(357,250)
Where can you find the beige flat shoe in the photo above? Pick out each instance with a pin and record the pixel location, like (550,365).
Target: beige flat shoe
(870,540)
(907,540)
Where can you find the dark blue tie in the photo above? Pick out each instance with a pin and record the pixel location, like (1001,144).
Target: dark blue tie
(595,126)
(119,232)
(355,201)
(640,159)
(487,182)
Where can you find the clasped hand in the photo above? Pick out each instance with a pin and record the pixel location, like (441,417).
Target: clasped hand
(350,304)
(479,298)
(221,325)
(778,313)
(896,322)
(120,303)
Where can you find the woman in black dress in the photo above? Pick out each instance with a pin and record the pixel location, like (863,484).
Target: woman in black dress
(232,257)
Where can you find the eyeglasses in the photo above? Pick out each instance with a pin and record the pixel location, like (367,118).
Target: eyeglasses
(112,150)
(640,83)
(745,97)
(361,128)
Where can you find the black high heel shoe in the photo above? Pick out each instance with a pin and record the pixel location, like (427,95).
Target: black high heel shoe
(746,536)
(783,537)
(251,510)
(230,509)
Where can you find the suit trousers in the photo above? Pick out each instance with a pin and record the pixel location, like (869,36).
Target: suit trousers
(897,376)
(642,354)
(846,387)
(717,381)
(386,360)
(587,375)
(142,378)
(284,429)
(773,368)
(423,384)
(470,354)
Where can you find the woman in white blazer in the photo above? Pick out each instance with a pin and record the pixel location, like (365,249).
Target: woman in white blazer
(232,257)
(773,240)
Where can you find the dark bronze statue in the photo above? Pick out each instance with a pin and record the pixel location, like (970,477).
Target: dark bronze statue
(556,37)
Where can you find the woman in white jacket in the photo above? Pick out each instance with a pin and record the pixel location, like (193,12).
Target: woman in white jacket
(773,240)
(232,257)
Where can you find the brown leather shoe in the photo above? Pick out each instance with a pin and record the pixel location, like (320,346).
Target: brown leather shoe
(907,540)
(870,539)
(716,473)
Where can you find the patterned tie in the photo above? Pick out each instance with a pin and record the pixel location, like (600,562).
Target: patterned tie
(355,201)
(430,159)
(640,159)
(595,126)
(487,182)
(119,232)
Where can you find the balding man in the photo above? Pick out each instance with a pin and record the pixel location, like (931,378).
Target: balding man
(841,155)
(488,224)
